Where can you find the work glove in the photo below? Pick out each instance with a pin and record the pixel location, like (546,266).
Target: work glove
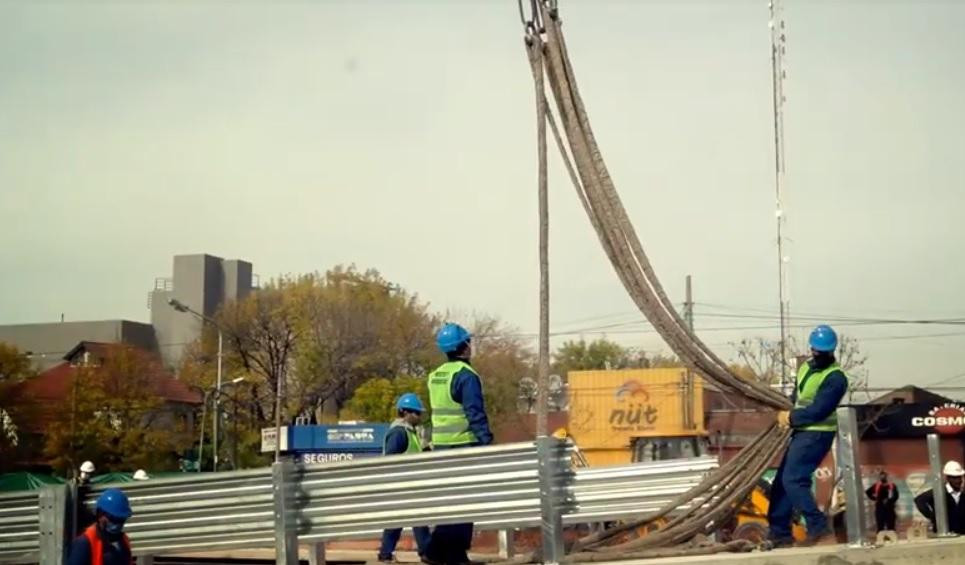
(784,419)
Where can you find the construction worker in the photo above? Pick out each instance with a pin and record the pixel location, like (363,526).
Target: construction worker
(458,420)
(885,495)
(86,472)
(402,437)
(104,542)
(955,506)
(820,386)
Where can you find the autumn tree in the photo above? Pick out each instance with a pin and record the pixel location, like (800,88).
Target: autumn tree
(357,325)
(502,359)
(115,416)
(760,359)
(15,408)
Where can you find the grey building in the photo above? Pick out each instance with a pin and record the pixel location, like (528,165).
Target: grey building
(48,343)
(202,282)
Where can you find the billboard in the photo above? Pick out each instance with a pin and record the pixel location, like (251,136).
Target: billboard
(609,408)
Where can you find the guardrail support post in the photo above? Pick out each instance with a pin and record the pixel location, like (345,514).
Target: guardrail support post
(53,524)
(848,439)
(145,560)
(506,542)
(938,485)
(316,553)
(549,450)
(286,534)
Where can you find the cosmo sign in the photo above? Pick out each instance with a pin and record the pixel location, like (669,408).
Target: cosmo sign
(947,419)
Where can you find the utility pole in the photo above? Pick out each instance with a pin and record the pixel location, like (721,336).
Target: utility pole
(689,420)
(534,45)
(778,74)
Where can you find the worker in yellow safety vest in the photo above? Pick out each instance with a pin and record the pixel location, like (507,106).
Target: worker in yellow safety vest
(403,437)
(458,420)
(819,388)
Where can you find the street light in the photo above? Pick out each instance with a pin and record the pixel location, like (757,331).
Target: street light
(204,408)
(184,308)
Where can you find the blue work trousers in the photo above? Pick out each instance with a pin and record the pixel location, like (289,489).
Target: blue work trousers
(792,484)
(450,543)
(390,538)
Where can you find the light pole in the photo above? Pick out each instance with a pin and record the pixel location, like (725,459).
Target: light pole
(181,307)
(204,409)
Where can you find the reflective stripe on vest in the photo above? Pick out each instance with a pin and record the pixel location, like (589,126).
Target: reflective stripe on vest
(449,423)
(808,383)
(97,546)
(414,445)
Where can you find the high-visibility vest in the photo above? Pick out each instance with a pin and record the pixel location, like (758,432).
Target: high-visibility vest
(97,545)
(449,423)
(414,446)
(808,383)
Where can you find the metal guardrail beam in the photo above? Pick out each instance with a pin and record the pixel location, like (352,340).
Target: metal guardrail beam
(496,487)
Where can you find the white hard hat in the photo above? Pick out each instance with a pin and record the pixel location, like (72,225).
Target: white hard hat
(86,467)
(140,475)
(953,469)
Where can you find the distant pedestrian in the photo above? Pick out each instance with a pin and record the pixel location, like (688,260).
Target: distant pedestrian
(885,495)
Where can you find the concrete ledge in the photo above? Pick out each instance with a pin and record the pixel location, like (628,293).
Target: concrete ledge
(929,552)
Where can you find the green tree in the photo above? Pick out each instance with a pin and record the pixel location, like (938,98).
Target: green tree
(374,400)
(605,354)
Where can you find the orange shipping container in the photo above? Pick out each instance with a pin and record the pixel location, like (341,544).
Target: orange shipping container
(610,408)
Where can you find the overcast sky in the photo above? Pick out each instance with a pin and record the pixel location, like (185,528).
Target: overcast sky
(400,136)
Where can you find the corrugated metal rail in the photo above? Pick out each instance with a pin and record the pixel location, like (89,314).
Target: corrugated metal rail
(505,486)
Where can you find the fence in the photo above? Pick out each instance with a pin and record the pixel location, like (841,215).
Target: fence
(506,486)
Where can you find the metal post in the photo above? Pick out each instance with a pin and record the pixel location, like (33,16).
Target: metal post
(217,400)
(849,438)
(145,560)
(506,543)
(316,553)
(204,416)
(938,485)
(53,524)
(549,450)
(286,535)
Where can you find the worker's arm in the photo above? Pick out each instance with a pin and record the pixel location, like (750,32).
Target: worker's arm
(925,503)
(396,441)
(870,492)
(79,552)
(467,391)
(894,494)
(826,401)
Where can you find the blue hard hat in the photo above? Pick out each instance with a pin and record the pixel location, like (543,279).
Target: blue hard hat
(451,336)
(410,401)
(113,501)
(823,339)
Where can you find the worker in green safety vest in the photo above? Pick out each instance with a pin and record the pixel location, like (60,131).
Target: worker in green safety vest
(819,388)
(458,420)
(403,437)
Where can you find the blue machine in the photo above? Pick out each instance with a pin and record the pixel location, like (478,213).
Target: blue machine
(340,442)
